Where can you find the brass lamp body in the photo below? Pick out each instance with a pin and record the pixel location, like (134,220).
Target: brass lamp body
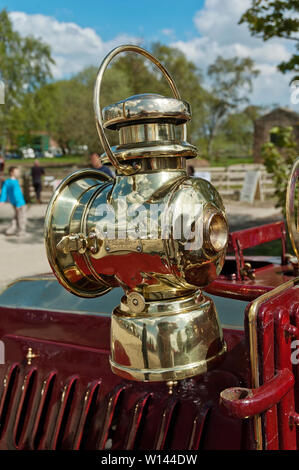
(154,231)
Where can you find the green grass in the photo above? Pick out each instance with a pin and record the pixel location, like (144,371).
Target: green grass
(55,162)
(231,161)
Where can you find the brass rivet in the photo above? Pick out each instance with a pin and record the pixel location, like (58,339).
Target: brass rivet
(171,384)
(30,355)
(136,302)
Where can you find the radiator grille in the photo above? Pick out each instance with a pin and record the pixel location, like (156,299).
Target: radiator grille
(43,411)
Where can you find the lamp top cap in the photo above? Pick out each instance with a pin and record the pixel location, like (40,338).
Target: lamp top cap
(147,107)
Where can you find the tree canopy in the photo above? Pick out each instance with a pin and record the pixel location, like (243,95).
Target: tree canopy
(276,18)
(24,67)
(231,82)
(64,110)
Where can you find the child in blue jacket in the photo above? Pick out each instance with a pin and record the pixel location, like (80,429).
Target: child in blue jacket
(11,192)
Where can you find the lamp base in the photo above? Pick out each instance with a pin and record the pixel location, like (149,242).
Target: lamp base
(168,340)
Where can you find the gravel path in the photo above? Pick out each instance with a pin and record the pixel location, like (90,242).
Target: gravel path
(23,257)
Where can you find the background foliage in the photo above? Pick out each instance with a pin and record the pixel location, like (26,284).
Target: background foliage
(63,109)
(279,158)
(276,18)
(223,118)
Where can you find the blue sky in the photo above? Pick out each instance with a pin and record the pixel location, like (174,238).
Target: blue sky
(82,32)
(135,17)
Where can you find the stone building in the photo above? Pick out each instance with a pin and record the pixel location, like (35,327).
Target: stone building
(281,117)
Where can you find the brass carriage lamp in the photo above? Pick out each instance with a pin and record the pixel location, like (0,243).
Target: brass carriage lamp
(154,231)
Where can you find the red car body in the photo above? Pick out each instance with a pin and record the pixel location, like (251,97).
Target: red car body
(57,390)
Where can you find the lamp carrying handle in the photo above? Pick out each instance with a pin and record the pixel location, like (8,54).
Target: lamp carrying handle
(292,217)
(122,168)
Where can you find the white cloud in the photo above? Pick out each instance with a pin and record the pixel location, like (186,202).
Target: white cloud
(221,17)
(168,32)
(73,47)
(220,34)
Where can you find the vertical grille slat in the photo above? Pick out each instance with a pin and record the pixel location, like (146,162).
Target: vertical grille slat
(109,415)
(165,423)
(153,426)
(18,404)
(37,425)
(23,407)
(89,399)
(63,412)
(137,417)
(197,428)
(72,414)
(7,395)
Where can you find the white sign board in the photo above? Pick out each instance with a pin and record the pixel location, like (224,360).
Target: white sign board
(251,189)
(2,92)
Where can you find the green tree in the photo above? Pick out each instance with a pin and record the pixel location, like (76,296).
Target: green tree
(253,112)
(24,66)
(276,18)
(238,133)
(188,79)
(279,157)
(231,82)
(65,108)
(115,87)
(143,77)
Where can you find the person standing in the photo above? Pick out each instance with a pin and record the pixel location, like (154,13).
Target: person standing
(11,192)
(96,162)
(37,172)
(190,171)
(2,165)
